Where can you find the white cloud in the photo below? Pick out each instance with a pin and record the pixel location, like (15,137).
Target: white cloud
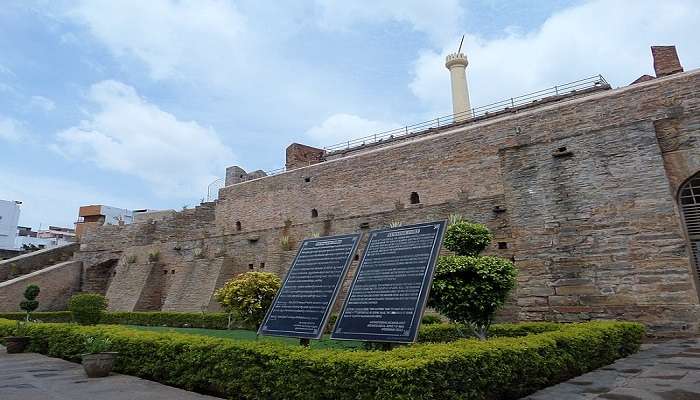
(52,199)
(341,127)
(130,135)
(607,37)
(11,129)
(42,103)
(173,38)
(439,19)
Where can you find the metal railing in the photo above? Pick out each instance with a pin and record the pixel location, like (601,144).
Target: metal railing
(474,113)
(510,104)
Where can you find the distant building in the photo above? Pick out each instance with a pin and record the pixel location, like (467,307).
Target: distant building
(98,215)
(9,216)
(28,239)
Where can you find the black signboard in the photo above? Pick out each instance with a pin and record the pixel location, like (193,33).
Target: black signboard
(303,304)
(390,290)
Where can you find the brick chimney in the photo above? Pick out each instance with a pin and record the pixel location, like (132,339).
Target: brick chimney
(666,60)
(300,155)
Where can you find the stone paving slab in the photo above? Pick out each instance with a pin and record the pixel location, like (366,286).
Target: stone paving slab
(31,376)
(664,371)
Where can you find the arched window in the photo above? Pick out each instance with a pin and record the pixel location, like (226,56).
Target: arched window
(689,200)
(314,213)
(238,225)
(415,199)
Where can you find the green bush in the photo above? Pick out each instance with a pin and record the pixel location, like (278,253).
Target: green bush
(248,296)
(499,368)
(87,308)
(467,238)
(430,319)
(444,333)
(470,289)
(29,303)
(169,319)
(42,316)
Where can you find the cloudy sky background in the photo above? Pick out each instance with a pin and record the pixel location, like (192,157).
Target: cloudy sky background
(141,104)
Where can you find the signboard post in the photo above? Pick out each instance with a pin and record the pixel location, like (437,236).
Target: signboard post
(390,290)
(303,304)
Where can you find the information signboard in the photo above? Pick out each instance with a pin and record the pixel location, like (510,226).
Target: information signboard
(388,295)
(303,304)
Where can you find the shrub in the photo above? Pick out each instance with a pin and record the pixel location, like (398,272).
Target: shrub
(154,256)
(42,316)
(468,288)
(500,368)
(467,238)
(430,319)
(87,308)
(170,319)
(248,296)
(30,303)
(444,332)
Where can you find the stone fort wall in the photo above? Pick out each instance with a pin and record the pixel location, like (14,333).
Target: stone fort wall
(581,194)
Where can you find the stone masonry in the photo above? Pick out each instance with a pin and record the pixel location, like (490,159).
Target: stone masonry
(580,193)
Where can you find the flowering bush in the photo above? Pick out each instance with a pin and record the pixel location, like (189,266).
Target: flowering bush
(248,296)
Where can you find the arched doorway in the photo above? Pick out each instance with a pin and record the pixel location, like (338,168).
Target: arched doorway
(689,202)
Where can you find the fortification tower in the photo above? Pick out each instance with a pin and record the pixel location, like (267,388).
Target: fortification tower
(457,64)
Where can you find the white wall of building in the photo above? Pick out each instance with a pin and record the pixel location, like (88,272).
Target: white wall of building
(9,217)
(113,215)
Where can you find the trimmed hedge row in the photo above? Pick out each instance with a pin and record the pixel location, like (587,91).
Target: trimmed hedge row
(499,368)
(444,332)
(169,319)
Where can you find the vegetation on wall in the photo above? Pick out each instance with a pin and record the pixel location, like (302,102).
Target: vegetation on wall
(247,297)
(469,288)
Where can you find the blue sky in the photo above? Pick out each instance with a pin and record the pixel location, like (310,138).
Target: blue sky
(140,104)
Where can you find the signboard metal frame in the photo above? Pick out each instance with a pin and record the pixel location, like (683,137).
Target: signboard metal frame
(331,302)
(422,300)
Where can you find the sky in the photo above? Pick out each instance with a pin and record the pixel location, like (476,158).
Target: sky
(142,104)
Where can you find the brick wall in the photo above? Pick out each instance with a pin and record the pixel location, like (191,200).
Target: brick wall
(581,193)
(35,261)
(57,284)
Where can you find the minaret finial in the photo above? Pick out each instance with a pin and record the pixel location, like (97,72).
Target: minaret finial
(460,45)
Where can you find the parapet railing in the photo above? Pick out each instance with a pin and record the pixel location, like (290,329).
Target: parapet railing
(475,113)
(563,90)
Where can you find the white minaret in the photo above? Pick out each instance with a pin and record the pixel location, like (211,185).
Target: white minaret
(457,64)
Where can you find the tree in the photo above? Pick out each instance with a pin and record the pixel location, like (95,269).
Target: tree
(248,296)
(469,288)
(30,303)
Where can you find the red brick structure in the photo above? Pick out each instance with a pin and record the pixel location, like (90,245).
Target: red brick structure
(666,60)
(300,155)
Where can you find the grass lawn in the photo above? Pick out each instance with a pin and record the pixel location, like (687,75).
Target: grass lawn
(240,334)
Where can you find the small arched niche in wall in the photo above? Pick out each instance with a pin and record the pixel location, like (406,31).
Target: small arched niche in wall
(415,199)
(238,225)
(314,213)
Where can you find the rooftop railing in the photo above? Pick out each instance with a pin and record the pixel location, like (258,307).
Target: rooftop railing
(511,104)
(475,113)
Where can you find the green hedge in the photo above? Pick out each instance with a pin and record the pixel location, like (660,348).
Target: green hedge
(43,316)
(499,368)
(443,333)
(170,319)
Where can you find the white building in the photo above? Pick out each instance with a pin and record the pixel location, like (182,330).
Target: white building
(9,216)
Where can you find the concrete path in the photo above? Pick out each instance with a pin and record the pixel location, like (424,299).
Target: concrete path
(32,376)
(665,371)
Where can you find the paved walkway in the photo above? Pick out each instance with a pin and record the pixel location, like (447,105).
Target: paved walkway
(666,371)
(31,376)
